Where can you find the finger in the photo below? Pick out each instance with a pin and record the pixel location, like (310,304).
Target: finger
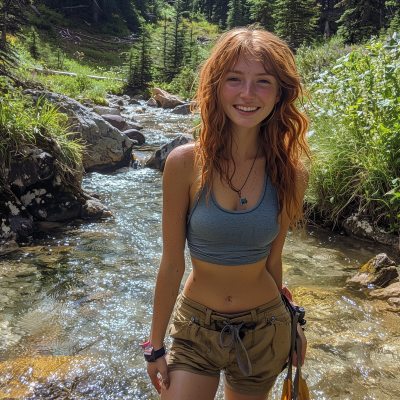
(156,383)
(165,378)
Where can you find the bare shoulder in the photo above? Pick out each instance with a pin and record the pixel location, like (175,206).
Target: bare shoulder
(302,178)
(180,162)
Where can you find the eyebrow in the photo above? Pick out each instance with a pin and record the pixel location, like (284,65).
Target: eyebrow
(241,73)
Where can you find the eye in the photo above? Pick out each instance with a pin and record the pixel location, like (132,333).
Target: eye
(233,79)
(264,81)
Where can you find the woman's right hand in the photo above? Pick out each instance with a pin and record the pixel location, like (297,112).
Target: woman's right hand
(159,366)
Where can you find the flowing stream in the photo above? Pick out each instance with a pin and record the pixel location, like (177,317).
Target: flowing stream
(77,302)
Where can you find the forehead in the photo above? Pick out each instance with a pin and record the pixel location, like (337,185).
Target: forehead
(249,63)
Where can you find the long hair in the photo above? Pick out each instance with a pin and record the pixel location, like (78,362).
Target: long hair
(283,138)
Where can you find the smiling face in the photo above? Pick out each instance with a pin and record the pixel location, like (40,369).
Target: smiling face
(248,94)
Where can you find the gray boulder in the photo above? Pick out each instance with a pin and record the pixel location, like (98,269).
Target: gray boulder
(107,147)
(379,271)
(184,109)
(135,135)
(106,110)
(158,159)
(362,227)
(133,102)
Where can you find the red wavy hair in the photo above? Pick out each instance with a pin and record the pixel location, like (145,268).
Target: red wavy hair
(283,138)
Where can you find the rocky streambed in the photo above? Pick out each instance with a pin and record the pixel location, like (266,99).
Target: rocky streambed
(76,301)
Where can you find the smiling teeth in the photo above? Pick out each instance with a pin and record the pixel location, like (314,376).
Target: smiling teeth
(246,108)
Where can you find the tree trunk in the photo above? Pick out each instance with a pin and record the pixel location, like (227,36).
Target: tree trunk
(96,11)
(327,31)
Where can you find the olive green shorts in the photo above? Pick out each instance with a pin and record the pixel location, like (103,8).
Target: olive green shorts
(265,334)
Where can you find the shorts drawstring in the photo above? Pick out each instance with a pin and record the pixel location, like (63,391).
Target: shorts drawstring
(235,338)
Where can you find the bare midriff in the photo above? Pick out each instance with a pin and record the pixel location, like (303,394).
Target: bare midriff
(230,289)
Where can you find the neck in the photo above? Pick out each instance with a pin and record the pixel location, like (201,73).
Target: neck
(244,142)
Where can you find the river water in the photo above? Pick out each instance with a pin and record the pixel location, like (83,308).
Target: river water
(77,302)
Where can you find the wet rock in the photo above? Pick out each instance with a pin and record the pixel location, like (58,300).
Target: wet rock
(158,159)
(93,209)
(392,290)
(138,97)
(106,110)
(8,246)
(165,99)
(107,147)
(133,125)
(378,271)
(133,102)
(30,166)
(120,102)
(51,203)
(116,121)
(152,102)
(15,221)
(361,226)
(395,301)
(135,135)
(184,109)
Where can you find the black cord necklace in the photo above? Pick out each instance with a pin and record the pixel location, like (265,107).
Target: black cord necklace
(239,192)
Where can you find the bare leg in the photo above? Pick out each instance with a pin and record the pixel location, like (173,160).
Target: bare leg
(231,395)
(188,386)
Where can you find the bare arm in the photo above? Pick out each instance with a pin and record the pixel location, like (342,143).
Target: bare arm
(274,261)
(176,185)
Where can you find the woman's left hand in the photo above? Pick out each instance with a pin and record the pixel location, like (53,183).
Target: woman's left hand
(303,347)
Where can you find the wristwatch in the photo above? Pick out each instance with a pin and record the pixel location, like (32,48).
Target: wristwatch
(152,355)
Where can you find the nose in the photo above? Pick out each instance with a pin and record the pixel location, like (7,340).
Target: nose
(248,90)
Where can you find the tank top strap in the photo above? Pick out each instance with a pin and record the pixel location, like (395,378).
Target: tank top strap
(196,202)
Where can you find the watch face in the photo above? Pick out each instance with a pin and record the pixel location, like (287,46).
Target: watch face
(148,351)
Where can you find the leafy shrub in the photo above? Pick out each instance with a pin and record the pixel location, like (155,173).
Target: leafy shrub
(355,136)
(184,84)
(312,60)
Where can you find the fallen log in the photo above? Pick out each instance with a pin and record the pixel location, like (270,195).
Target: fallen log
(72,74)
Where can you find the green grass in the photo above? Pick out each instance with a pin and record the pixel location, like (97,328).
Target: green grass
(25,123)
(355,137)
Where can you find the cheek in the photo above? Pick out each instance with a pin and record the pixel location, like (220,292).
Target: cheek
(268,93)
(228,93)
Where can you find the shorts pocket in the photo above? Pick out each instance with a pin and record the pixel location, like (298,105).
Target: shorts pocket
(281,343)
(180,326)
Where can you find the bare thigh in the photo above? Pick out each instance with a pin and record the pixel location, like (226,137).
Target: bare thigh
(231,395)
(188,386)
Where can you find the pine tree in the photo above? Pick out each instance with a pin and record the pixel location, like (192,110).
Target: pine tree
(220,12)
(176,43)
(237,13)
(33,44)
(295,20)
(359,21)
(261,11)
(140,73)
(12,18)
(394,7)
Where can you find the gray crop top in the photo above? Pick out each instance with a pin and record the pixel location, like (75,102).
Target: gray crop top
(220,236)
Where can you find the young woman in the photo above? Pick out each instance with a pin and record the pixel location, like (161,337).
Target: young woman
(232,195)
